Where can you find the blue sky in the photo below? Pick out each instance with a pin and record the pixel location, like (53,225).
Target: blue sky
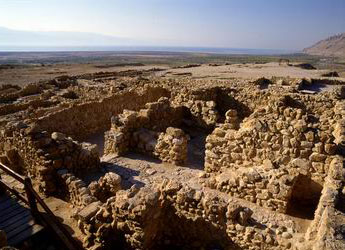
(271,24)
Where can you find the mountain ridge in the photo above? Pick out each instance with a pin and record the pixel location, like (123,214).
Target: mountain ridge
(331,46)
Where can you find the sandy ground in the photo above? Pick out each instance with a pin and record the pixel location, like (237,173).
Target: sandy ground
(246,71)
(31,74)
(20,76)
(63,211)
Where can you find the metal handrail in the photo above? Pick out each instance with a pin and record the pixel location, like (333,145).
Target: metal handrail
(32,199)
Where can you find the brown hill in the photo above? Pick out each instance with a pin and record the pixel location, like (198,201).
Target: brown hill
(332,46)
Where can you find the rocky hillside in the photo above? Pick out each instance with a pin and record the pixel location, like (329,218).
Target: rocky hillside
(332,46)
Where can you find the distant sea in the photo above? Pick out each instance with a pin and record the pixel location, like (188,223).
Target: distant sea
(236,51)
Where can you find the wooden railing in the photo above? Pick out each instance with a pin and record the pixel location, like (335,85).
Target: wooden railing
(32,198)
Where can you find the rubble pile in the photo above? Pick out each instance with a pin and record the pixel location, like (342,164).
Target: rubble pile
(106,186)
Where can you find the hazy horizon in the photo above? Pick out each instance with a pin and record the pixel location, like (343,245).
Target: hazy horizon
(124,48)
(256,24)
(27,41)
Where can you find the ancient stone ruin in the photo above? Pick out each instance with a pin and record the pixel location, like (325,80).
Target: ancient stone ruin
(184,164)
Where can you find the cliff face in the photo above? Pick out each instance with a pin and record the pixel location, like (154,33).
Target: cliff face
(332,46)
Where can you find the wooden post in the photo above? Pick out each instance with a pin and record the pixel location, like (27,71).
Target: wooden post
(31,198)
(2,189)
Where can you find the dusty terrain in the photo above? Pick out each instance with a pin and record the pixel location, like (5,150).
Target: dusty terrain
(210,156)
(27,67)
(27,74)
(33,73)
(246,71)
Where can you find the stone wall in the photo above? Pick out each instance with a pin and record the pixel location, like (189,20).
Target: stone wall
(270,188)
(169,146)
(327,229)
(73,189)
(91,117)
(34,103)
(40,154)
(267,185)
(208,106)
(280,133)
(140,129)
(138,219)
(11,93)
(172,146)
(339,128)
(106,186)
(265,151)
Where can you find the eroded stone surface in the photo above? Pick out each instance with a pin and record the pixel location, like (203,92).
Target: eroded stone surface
(269,174)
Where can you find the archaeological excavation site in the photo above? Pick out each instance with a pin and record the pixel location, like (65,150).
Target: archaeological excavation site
(128,160)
